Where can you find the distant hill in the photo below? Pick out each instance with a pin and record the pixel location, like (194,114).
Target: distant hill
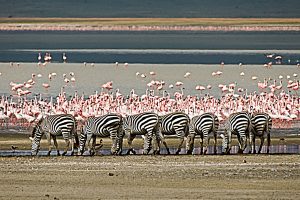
(150,8)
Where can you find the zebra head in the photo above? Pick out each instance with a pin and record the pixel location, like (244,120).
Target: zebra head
(36,138)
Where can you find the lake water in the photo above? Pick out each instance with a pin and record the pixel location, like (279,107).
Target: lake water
(149,8)
(177,47)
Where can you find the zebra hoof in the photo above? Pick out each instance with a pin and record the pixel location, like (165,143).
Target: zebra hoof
(177,152)
(48,153)
(189,152)
(64,153)
(157,152)
(72,153)
(240,151)
(134,152)
(128,151)
(58,154)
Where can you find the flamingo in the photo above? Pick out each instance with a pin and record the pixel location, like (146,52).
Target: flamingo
(46,85)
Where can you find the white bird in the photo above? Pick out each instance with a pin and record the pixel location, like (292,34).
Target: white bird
(187,75)
(143,75)
(295,75)
(137,73)
(242,74)
(64,57)
(39,75)
(171,86)
(152,73)
(254,77)
(125,64)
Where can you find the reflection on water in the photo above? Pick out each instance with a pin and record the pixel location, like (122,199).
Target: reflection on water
(274,149)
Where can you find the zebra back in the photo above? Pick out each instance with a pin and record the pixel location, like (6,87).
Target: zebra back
(239,121)
(261,122)
(103,125)
(140,123)
(204,123)
(174,122)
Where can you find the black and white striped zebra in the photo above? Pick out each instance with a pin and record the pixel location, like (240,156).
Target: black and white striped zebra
(109,125)
(140,124)
(203,125)
(176,123)
(262,124)
(52,126)
(240,125)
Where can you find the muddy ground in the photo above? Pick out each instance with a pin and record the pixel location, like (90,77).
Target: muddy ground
(147,177)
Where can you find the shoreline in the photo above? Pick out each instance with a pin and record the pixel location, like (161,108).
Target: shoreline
(82,28)
(150,24)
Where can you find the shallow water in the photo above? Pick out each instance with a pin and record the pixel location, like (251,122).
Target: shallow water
(177,47)
(274,149)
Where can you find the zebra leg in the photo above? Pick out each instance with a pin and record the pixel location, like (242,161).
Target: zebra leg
(93,151)
(215,142)
(243,144)
(205,142)
(129,141)
(268,142)
(253,145)
(262,139)
(147,143)
(48,136)
(82,143)
(181,140)
(190,144)
(67,141)
(56,145)
(251,148)
(201,143)
(88,141)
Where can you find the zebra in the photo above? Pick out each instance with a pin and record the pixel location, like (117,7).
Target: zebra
(103,126)
(262,123)
(139,124)
(238,124)
(171,124)
(203,125)
(52,126)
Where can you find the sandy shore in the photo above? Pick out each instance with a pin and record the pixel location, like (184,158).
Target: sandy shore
(149,24)
(151,177)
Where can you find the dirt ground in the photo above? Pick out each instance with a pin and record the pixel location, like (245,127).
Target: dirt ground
(147,177)
(151,177)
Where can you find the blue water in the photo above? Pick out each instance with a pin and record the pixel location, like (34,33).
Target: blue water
(186,47)
(149,8)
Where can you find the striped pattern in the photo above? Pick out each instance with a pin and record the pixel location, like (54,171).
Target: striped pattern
(172,124)
(105,126)
(238,124)
(140,124)
(203,125)
(262,124)
(52,126)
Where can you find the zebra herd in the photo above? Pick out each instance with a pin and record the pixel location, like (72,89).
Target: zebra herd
(246,126)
